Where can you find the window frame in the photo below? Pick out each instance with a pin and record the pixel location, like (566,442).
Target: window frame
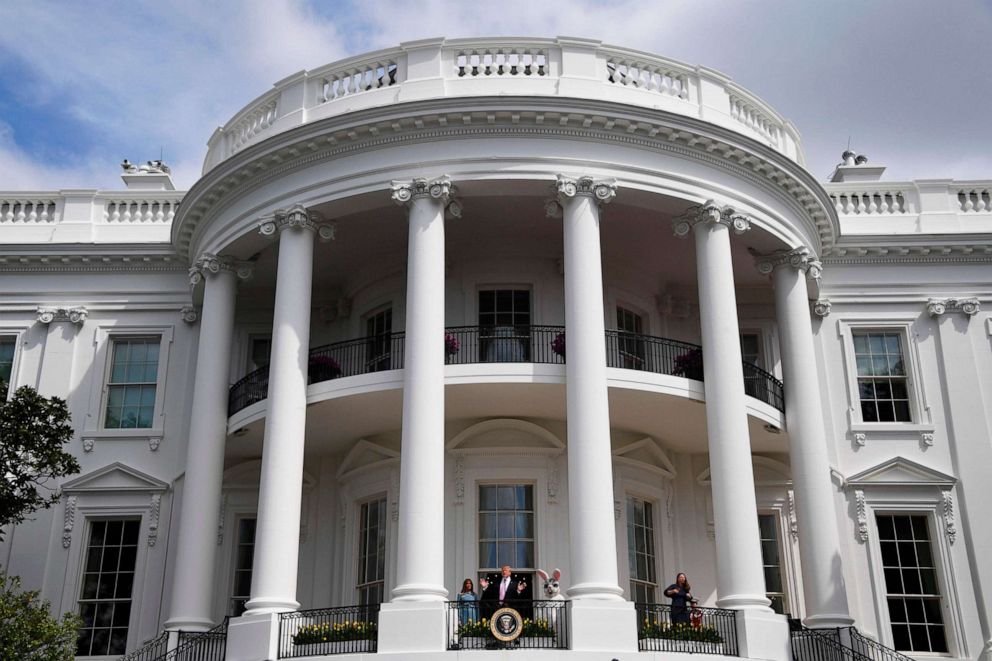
(386,357)
(15,334)
(233,569)
(357,585)
(657,486)
(920,411)
(477,540)
(655,540)
(784,557)
(107,385)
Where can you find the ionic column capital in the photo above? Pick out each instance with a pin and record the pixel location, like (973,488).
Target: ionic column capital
(439,188)
(297,216)
(710,213)
(566,187)
(210,264)
(797,258)
(938,306)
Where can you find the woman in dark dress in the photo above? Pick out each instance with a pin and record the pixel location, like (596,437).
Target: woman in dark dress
(679,593)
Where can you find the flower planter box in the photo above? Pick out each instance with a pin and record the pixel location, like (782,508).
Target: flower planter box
(336,647)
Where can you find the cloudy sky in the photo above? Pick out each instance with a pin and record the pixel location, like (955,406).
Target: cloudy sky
(84,85)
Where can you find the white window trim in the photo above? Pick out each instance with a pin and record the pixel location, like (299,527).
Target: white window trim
(616,299)
(879,500)
(922,418)
(17,331)
(359,487)
(483,284)
(242,346)
(789,551)
(102,340)
(662,502)
(230,560)
(357,544)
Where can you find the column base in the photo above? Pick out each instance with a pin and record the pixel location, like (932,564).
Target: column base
(264,606)
(829,621)
(189,624)
(986,652)
(600,625)
(420,592)
(752,602)
(596,591)
(412,626)
(763,635)
(253,637)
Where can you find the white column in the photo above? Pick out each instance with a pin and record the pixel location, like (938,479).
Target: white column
(193,577)
(740,575)
(819,538)
(277,536)
(420,553)
(415,619)
(592,528)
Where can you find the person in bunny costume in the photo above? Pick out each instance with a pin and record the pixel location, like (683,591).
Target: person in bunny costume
(552,592)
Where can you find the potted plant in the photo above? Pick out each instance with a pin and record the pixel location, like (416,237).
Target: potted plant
(451,346)
(323,368)
(558,345)
(689,365)
(335,637)
(474,634)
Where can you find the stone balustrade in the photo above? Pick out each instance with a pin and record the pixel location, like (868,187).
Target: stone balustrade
(562,67)
(71,216)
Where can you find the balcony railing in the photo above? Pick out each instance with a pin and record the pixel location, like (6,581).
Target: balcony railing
(662,628)
(465,345)
(322,631)
(544,625)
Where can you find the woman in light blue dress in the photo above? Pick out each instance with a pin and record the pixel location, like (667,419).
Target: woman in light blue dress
(468,603)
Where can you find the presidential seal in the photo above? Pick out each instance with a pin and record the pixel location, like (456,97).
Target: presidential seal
(506,625)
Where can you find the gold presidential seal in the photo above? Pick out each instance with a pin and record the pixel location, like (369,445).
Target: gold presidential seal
(506,625)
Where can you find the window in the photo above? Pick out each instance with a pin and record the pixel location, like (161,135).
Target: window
(882,382)
(751,348)
(105,598)
(771,558)
(259,350)
(911,588)
(372,552)
(7,345)
(244,555)
(504,325)
(506,526)
(640,551)
(378,330)
(630,341)
(132,383)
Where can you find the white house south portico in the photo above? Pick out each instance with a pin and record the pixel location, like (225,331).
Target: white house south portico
(537,303)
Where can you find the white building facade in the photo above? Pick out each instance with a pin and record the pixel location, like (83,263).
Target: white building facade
(330,381)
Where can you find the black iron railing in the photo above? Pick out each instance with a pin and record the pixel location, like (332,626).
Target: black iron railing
(821,644)
(544,625)
(342,630)
(200,645)
(664,628)
(465,345)
(153,650)
(872,649)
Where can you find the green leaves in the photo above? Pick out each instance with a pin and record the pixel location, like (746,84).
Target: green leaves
(28,631)
(33,431)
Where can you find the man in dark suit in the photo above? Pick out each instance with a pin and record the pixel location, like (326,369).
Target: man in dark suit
(501,592)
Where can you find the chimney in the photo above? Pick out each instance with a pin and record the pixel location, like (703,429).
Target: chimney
(854,168)
(153,175)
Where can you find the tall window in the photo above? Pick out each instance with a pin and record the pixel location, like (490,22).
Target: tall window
(504,325)
(771,558)
(506,526)
(7,345)
(912,592)
(630,343)
(640,551)
(133,379)
(244,555)
(378,330)
(105,598)
(882,383)
(372,552)
(259,350)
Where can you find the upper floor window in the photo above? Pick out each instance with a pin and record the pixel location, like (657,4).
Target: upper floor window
(751,348)
(108,579)
(259,349)
(7,345)
(630,343)
(912,591)
(244,555)
(132,383)
(372,552)
(882,382)
(504,325)
(378,330)
(771,558)
(641,558)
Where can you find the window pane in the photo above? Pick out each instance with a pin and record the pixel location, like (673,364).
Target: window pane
(105,591)
(506,526)
(372,551)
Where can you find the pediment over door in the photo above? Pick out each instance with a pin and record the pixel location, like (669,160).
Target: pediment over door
(505,436)
(900,471)
(366,456)
(114,477)
(645,454)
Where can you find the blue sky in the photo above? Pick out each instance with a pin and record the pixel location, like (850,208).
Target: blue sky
(84,85)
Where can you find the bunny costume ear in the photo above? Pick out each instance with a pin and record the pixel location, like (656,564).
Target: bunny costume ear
(557,574)
(543,574)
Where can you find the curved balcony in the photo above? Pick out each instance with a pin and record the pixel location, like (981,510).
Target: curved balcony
(466,345)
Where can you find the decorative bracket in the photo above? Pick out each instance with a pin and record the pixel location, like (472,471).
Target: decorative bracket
(821,307)
(188,314)
(155,509)
(68,521)
(861,504)
(949,528)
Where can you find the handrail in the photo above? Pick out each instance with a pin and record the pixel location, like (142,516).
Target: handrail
(153,650)
(208,645)
(692,629)
(466,345)
(324,631)
(874,650)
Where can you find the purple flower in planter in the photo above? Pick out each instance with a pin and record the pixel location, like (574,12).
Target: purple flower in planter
(558,344)
(451,344)
(689,365)
(323,368)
